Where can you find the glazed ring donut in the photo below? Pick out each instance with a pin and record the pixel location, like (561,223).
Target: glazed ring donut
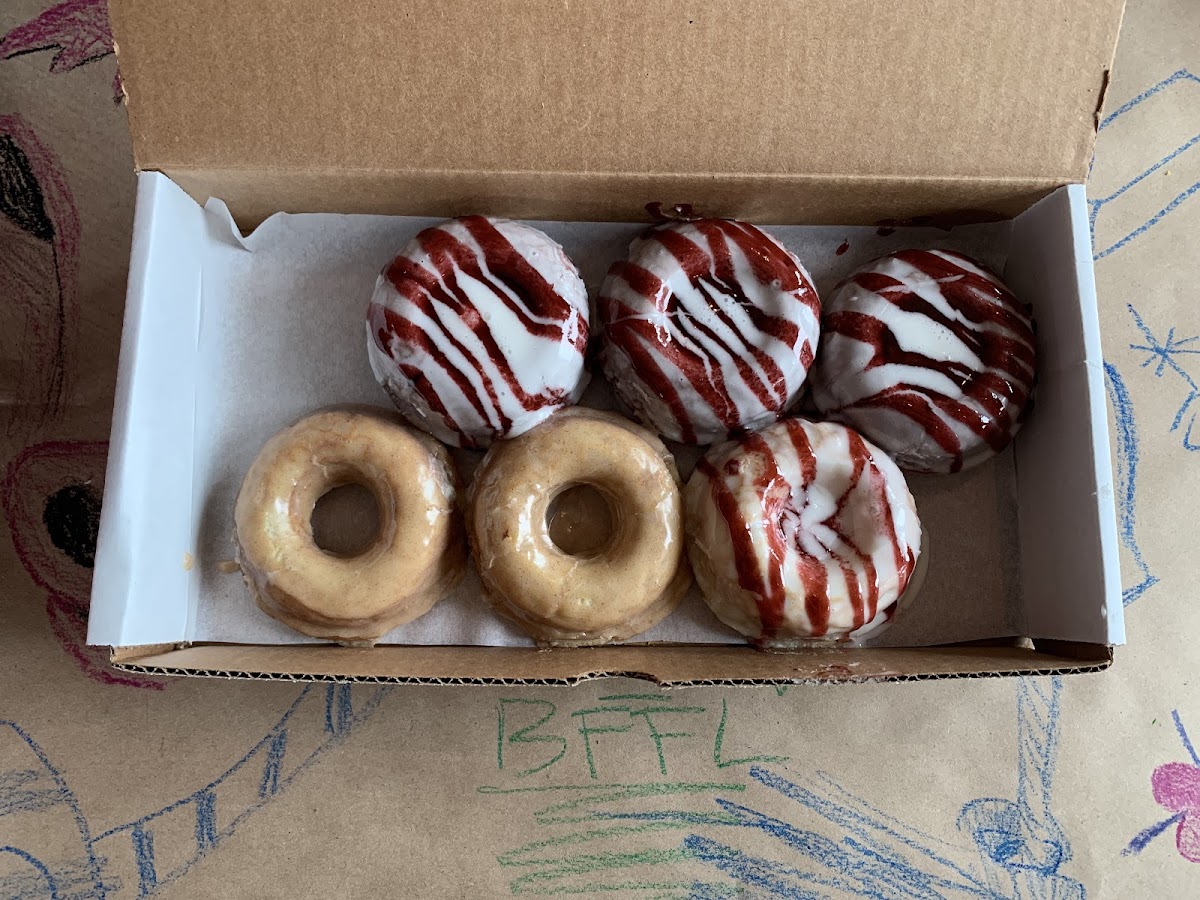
(803,532)
(626,580)
(415,558)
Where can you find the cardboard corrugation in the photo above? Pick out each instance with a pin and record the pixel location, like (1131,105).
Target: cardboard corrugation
(670,665)
(832,111)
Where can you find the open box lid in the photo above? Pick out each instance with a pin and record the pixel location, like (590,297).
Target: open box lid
(830,110)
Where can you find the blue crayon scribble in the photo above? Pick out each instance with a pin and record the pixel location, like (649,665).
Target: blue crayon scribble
(143,851)
(80,877)
(1127,472)
(1022,839)
(47,886)
(1184,739)
(269,785)
(318,720)
(1165,357)
(1020,843)
(1182,78)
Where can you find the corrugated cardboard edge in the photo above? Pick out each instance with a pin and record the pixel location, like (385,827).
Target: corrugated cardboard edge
(671,666)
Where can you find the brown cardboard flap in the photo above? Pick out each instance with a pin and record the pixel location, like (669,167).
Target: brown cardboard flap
(604,90)
(668,664)
(253,195)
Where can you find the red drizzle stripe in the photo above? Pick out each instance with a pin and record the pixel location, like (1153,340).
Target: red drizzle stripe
(387,325)
(692,258)
(437,293)
(990,404)
(776,495)
(748,571)
(637,343)
(708,264)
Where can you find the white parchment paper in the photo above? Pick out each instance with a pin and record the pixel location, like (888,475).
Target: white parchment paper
(282,334)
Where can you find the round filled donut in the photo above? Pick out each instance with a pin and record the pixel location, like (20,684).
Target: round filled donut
(477,330)
(415,557)
(577,529)
(710,327)
(803,532)
(930,356)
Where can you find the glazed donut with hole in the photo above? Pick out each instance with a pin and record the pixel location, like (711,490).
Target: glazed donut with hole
(577,529)
(415,556)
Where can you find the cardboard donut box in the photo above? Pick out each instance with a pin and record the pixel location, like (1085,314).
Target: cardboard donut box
(831,112)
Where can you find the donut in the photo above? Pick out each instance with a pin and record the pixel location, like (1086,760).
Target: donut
(801,532)
(930,356)
(477,330)
(709,329)
(416,556)
(624,578)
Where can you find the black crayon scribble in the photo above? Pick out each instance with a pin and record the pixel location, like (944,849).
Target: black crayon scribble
(72,519)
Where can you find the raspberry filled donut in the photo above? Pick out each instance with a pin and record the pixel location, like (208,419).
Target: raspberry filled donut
(577,529)
(710,327)
(416,556)
(801,532)
(477,330)
(930,356)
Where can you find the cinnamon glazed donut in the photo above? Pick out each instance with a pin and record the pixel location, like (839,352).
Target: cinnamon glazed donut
(577,529)
(417,553)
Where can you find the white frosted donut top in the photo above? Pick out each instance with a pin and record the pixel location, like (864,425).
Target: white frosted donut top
(477,330)
(930,356)
(803,530)
(710,328)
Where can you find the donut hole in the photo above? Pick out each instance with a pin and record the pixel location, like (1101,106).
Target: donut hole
(345,520)
(581,521)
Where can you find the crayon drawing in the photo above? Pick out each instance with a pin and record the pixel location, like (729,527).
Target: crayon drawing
(39,261)
(77,30)
(1170,356)
(138,858)
(832,842)
(1176,787)
(1127,473)
(1130,221)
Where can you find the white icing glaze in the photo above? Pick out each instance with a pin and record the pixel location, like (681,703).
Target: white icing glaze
(710,328)
(801,531)
(928,355)
(477,330)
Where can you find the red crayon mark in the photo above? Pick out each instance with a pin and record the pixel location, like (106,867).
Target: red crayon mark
(39,227)
(77,29)
(51,499)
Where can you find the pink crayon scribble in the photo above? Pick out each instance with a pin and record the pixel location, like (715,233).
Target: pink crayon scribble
(39,267)
(1176,787)
(51,500)
(77,29)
